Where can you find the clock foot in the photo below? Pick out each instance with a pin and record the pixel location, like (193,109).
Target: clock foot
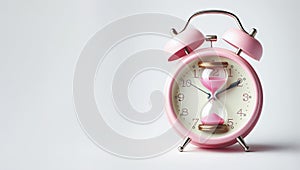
(186,142)
(242,142)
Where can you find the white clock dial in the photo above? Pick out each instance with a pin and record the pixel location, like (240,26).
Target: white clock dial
(189,96)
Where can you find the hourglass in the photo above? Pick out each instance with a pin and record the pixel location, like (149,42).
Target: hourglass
(213,116)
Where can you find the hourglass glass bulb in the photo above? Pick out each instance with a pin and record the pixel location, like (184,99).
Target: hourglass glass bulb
(213,115)
(214,78)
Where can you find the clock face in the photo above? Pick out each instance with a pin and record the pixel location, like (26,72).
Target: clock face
(223,101)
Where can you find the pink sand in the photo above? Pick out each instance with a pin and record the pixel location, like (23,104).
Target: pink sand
(212,119)
(213,83)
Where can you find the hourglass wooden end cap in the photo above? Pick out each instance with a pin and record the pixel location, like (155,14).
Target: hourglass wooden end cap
(212,64)
(214,128)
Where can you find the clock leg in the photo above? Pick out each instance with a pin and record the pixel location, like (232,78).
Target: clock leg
(242,142)
(186,142)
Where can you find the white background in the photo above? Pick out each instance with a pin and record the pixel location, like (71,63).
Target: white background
(40,42)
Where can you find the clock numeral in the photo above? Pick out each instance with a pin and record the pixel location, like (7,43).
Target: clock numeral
(186,83)
(246,97)
(230,123)
(215,73)
(195,122)
(180,97)
(184,112)
(241,82)
(230,72)
(196,73)
(240,112)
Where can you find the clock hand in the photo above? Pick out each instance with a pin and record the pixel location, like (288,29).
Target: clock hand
(202,90)
(232,85)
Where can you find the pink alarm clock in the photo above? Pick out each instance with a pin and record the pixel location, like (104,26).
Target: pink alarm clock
(215,97)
